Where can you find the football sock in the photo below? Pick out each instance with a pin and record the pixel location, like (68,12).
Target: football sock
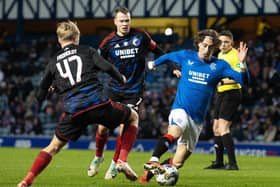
(163,145)
(149,175)
(118,149)
(39,164)
(100,143)
(229,145)
(113,164)
(168,161)
(127,141)
(219,147)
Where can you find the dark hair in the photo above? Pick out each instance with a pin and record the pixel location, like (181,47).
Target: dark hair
(121,9)
(226,33)
(207,32)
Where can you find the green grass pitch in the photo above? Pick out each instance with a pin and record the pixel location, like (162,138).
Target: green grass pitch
(69,169)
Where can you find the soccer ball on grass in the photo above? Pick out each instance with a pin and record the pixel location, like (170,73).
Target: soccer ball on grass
(169,177)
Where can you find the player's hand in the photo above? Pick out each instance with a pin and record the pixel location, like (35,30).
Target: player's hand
(151,65)
(177,73)
(242,51)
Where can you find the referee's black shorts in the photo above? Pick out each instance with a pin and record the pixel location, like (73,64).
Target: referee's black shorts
(226,104)
(110,114)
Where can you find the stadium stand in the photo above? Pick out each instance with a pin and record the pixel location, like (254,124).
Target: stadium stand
(21,65)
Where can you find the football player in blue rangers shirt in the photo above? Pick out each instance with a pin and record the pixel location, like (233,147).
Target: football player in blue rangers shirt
(200,74)
(127,49)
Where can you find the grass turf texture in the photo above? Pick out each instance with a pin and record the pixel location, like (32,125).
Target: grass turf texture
(69,168)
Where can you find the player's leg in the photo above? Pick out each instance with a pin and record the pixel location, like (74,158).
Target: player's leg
(218,144)
(229,144)
(101,137)
(230,104)
(65,131)
(187,141)
(113,115)
(219,148)
(177,125)
(132,102)
(127,141)
(42,161)
(180,156)
(153,166)
(162,146)
(148,175)
(112,170)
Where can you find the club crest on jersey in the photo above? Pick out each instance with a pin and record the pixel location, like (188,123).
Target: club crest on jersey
(136,42)
(213,66)
(190,62)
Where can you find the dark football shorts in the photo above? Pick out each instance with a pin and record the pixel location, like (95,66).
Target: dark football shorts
(226,104)
(131,100)
(111,115)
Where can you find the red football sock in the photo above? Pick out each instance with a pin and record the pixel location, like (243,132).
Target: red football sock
(128,139)
(39,164)
(100,141)
(170,138)
(171,160)
(118,148)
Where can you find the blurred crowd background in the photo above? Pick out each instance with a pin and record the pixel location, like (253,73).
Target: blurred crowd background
(22,64)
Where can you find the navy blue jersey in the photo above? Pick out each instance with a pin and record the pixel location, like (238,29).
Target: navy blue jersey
(73,73)
(198,81)
(128,54)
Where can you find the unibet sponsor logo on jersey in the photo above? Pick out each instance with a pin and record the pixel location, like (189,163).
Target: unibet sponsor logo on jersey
(198,77)
(126,53)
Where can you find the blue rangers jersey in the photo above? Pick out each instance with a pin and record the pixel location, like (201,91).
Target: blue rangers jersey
(198,81)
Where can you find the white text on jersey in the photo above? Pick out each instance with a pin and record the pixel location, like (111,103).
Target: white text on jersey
(66,53)
(198,77)
(126,53)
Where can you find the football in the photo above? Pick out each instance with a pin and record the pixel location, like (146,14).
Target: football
(169,177)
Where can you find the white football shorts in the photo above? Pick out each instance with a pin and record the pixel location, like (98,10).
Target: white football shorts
(191,130)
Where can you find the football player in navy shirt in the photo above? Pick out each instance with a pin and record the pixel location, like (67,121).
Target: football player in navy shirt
(200,74)
(73,74)
(127,49)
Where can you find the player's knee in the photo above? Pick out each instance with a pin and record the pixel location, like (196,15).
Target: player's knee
(216,132)
(134,118)
(224,129)
(52,149)
(102,130)
(215,128)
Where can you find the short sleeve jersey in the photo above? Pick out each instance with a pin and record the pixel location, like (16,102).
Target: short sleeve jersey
(231,57)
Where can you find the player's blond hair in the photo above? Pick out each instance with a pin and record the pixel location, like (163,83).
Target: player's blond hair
(67,30)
